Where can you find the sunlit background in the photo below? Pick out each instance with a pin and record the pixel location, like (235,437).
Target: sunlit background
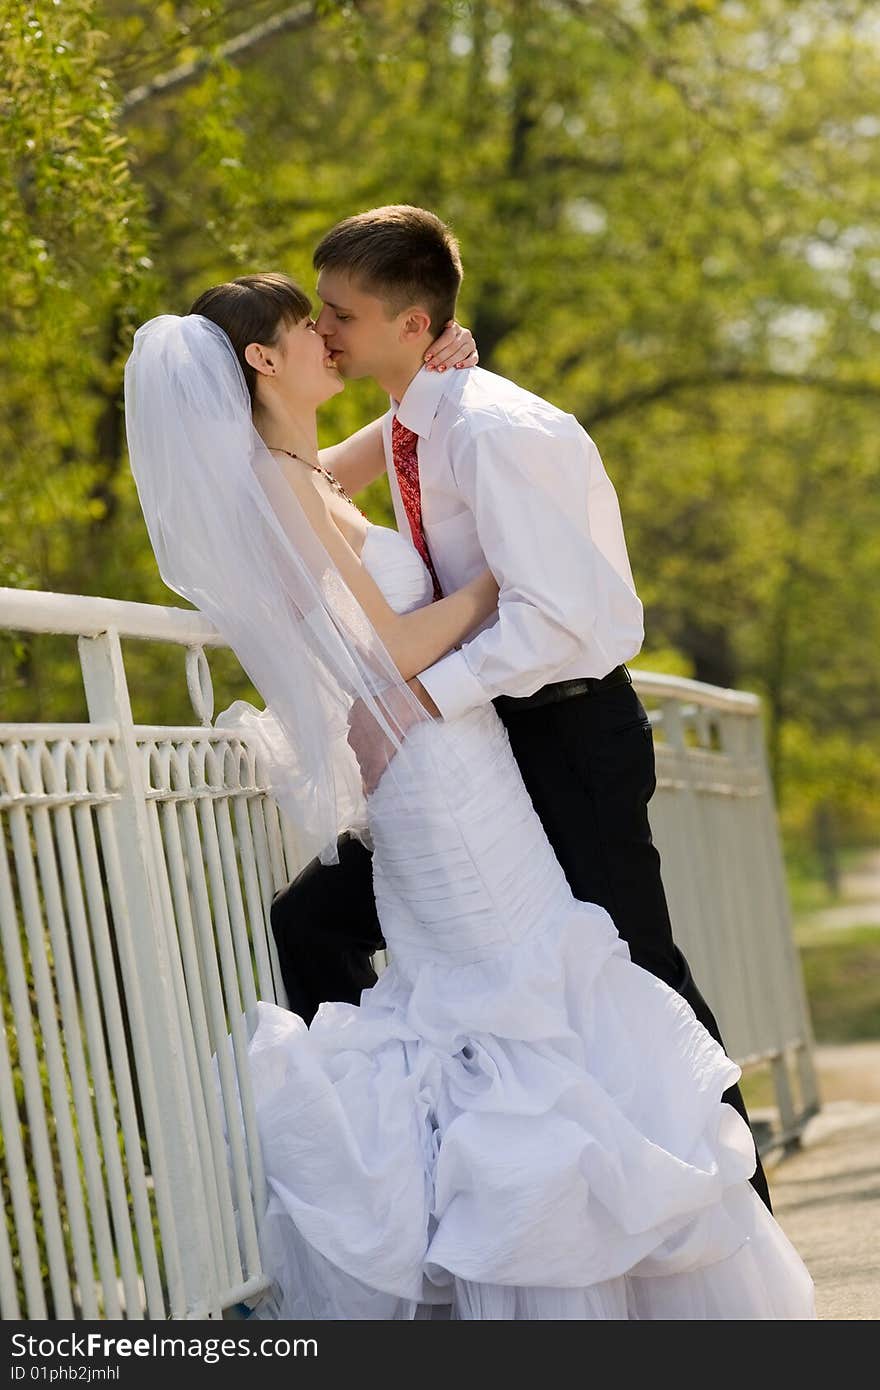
(669,215)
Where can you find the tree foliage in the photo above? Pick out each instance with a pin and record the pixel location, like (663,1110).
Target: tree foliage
(668,215)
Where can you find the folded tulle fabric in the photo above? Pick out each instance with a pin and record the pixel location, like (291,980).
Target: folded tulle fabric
(460,1125)
(409,1166)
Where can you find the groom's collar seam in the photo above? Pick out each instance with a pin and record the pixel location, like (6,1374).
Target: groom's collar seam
(421,401)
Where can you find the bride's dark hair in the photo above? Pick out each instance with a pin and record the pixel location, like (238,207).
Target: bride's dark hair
(252,309)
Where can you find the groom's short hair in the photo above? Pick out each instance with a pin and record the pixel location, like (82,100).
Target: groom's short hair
(401,254)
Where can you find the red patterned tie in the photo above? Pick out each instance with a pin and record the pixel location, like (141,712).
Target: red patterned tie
(405,453)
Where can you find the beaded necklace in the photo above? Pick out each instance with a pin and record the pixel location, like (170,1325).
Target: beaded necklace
(325,473)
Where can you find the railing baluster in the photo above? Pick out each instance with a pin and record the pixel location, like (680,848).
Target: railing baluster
(10,1309)
(136,901)
(216,1013)
(76,1059)
(22,1210)
(237,924)
(122,1082)
(268,886)
(51,1043)
(235,1016)
(99,1072)
(211,1141)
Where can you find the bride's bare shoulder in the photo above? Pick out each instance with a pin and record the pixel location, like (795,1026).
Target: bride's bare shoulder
(301,479)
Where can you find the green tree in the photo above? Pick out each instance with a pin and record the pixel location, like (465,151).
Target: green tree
(668,219)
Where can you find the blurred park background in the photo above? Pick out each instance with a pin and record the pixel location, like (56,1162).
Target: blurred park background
(669,215)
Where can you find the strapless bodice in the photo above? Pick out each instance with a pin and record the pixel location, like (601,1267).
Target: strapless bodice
(454,818)
(398,569)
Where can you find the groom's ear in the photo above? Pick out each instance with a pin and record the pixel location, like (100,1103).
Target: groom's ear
(414,324)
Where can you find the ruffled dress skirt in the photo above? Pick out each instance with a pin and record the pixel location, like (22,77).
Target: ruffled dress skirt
(517,1122)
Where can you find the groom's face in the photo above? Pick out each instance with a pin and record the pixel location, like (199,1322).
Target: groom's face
(356,327)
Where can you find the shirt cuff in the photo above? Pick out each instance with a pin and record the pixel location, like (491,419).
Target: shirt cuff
(453,687)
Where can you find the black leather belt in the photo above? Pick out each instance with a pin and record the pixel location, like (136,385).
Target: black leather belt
(563,690)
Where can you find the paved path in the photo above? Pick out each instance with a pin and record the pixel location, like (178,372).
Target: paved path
(827,1193)
(860,897)
(848,1071)
(865,914)
(827,1198)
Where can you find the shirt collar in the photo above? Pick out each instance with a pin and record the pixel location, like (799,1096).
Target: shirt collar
(421,401)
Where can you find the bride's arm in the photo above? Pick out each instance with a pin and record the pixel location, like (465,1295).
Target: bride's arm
(442,625)
(412,640)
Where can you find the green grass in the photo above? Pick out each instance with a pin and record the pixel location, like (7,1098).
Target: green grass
(841,965)
(807,890)
(841,968)
(842,977)
(757,1088)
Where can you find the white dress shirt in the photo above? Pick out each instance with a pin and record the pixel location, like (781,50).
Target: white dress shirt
(509,481)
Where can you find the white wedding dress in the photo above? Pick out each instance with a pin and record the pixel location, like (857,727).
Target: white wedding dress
(517,1122)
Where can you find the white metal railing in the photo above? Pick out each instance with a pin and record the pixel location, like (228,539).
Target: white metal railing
(137,867)
(713,819)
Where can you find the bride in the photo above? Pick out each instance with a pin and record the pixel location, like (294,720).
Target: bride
(516,1122)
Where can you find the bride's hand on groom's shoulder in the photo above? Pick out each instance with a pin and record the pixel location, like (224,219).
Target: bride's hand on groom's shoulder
(455,347)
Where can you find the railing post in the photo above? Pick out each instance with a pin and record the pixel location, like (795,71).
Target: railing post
(692,883)
(149,994)
(808,1083)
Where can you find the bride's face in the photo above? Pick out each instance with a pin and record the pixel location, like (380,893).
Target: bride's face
(304,374)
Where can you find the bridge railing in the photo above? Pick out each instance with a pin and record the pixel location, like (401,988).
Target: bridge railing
(713,818)
(137,866)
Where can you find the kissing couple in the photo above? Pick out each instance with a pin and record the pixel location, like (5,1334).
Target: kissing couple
(530,1114)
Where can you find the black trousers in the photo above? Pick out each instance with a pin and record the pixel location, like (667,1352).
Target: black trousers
(588,765)
(326,928)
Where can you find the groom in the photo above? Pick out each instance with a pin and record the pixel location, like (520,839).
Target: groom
(482,472)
